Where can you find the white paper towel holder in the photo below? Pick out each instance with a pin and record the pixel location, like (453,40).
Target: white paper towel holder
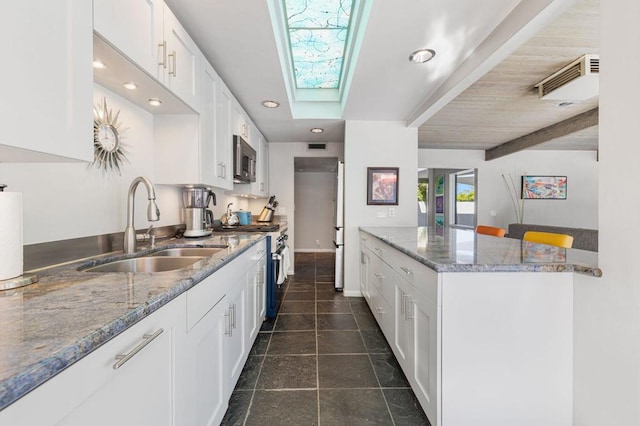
(20,281)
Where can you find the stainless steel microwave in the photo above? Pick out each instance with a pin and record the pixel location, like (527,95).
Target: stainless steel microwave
(244,161)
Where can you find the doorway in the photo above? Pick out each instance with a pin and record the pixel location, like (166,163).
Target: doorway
(314,198)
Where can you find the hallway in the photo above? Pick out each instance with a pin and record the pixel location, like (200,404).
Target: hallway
(323,361)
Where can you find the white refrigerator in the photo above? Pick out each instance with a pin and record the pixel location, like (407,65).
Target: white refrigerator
(339,227)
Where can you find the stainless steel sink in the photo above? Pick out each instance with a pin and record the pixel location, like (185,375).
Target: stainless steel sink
(189,251)
(147,264)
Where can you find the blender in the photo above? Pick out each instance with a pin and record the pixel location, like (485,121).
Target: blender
(197,217)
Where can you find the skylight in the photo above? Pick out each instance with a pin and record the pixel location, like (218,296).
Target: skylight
(318,31)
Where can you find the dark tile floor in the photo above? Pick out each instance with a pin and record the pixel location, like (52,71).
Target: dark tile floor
(323,361)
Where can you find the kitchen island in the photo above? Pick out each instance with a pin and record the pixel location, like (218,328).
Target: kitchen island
(58,329)
(482,326)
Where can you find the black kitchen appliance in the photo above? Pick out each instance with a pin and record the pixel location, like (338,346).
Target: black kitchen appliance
(274,265)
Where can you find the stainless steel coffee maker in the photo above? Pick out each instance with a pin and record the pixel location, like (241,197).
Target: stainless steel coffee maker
(197,216)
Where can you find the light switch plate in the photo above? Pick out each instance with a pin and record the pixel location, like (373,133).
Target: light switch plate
(382,215)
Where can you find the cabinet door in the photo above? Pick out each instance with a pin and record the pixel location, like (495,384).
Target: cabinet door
(240,123)
(206,344)
(404,323)
(364,272)
(264,188)
(46,100)
(237,342)
(183,56)
(140,390)
(210,166)
(256,294)
(424,375)
(135,28)
(224,136)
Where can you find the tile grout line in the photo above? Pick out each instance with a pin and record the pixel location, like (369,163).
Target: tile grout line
(317,348)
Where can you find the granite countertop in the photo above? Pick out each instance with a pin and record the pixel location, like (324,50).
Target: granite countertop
(68,313)
(461,250)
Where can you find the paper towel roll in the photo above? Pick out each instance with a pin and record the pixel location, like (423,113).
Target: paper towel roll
(10,235)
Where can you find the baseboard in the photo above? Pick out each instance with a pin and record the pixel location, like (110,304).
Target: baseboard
(352,293)
(315,250)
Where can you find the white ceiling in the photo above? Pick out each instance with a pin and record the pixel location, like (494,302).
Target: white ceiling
(470,37)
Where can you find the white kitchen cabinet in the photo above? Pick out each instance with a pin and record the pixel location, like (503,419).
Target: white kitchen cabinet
(135,27)
(237,346)
(421,332)
(47,95)
(181,61)
(257,297)
(263,166)
(241,123)
(93,391)
(151,36)
(205,396)
(224,136)
(364,268)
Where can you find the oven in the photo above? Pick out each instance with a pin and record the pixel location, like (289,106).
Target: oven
(276,271)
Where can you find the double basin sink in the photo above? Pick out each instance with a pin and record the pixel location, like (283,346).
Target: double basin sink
(165,260)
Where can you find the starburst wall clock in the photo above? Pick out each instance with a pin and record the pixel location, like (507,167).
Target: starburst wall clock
(108,150)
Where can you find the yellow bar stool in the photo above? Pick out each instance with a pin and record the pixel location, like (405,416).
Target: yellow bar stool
(490,230)
(553,239)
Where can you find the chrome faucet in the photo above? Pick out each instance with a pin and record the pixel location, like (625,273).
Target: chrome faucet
(153,213)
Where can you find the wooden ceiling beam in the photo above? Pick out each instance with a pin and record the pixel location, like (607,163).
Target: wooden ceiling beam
(564,127)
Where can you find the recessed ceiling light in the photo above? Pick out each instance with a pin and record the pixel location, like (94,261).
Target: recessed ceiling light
(154,102)
(270,104)
(316,130)
(421,56)
(99,65)
(130,85)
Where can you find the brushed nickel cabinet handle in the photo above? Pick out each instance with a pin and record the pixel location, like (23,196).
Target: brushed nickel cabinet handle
(406,270)
(163,46)
(233,320)
(379,310)
(227,323)
(148,338)
(379,276)
(175,59)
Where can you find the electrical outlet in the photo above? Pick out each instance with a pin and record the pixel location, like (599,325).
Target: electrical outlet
(382,215)
(317,243)
(493,213)
(392,212)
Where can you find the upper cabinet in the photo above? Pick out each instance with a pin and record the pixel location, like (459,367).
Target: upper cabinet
(150,35)
(180,60)
(241,123)
(46,101)
(135,27)
(224,136)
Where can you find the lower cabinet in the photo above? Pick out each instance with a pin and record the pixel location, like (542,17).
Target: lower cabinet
(178,366)
(407,317)
(129,380)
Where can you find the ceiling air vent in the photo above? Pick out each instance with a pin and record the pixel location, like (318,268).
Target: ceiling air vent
(317,146)
(577,81)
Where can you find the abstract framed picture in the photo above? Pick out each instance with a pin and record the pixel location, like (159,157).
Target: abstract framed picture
(544,187)
(440,204)
(440,185)
(382,186)
(439,219)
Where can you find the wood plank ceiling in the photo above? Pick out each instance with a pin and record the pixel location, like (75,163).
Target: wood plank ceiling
(504,105)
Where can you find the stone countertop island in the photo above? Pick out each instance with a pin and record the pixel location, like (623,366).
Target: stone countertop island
(482,326)
(461,250)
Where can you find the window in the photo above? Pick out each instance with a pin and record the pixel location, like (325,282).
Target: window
(465,198)
(318,32)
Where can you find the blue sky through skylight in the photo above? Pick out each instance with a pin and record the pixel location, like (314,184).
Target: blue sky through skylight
(318,31)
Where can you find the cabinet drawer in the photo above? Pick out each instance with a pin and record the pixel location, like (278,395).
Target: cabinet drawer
(383,277)
(422,278)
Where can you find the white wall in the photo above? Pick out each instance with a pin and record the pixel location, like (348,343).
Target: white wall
(376,144)
(581,168)
(314,211)
(71,200)
(607,310)
(281,178)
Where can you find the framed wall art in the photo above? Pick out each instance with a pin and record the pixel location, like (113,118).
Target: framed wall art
(382,186)
(544,187)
